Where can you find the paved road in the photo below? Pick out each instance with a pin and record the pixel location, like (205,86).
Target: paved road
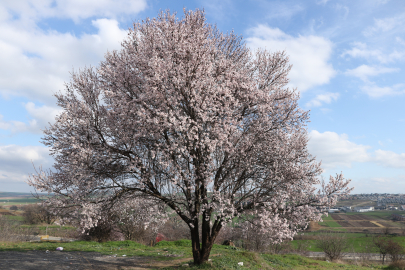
(350,256)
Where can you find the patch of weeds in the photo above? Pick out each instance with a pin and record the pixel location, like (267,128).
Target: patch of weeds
(178,243)
(126,244)
(232,248)
(275,261)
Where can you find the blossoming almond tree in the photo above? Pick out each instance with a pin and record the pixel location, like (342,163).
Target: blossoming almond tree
(188,116)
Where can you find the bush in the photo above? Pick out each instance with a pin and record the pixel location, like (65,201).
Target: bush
(105,230)
(11,231)
(136,232)
(13,207)
(175,229)
(395,251)
(302,248)
(399,265)
(34,214)
(387,246)
(333,245)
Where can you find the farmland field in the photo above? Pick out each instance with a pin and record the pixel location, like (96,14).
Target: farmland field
(14,198)
(18,201)
(373,222)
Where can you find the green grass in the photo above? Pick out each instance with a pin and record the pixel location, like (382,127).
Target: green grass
(43,227)
(358,242)
(222,257)
(328,221)
(18,218)
(332,224)
(327,218)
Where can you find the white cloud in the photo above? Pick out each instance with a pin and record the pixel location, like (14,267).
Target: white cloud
(336,150)
(344,8)
(41,117)
(385,25)
(44,114)
(73,9)
(390,159)
(308,54)
(17,160)
(379,184)
(277,10)
(16,164)
(51,57)
(323,98)
(360,50)
(400,41)
(365,71)
(375,91)
(18,126)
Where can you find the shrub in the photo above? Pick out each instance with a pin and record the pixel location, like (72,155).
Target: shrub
(387,246)
(135,232)
(302,247)
(105,230)
(11,231)
(395,251)
(13,207)
(175,229)
(399,265)
(34,214)
(333,245)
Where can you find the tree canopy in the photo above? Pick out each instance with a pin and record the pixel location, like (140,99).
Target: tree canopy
(189,117)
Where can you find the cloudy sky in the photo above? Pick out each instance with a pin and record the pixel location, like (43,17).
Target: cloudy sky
(348,63)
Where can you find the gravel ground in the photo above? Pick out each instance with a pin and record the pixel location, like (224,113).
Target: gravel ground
(40,260)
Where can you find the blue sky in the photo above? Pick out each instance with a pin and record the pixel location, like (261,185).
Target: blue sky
(348,64)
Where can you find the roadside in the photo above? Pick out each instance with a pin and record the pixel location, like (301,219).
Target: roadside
(40,260)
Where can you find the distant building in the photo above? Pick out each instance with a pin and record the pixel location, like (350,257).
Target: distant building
(402,207)
(364,209)
(380,207)
(333,211)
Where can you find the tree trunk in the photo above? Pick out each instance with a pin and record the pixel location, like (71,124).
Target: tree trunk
(201,252)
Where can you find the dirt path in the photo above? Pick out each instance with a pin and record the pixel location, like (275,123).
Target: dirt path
(40,260)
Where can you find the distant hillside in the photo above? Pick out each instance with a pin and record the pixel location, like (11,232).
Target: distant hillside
(19,194)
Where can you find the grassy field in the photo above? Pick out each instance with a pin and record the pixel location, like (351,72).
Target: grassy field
(18,201)
(223,257)
(358,242)
(16,198)
(329,222)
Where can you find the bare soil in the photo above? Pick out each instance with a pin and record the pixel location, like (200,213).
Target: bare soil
(336,217)
(344,223)
(40,260)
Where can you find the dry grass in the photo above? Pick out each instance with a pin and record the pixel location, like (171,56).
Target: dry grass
(400,265)
(11,231)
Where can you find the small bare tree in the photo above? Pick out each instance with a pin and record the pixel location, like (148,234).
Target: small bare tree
(35,213)
(395,250)
(333,245)
(382,245)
